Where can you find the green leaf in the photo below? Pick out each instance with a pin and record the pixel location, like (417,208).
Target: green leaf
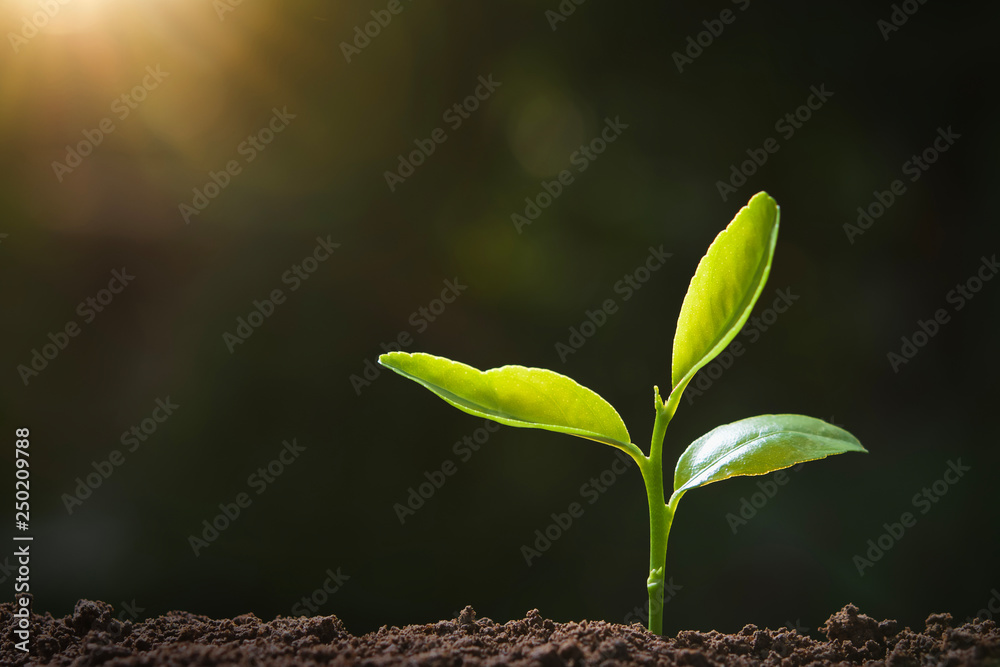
(757,446)
(725,287)
(517,396)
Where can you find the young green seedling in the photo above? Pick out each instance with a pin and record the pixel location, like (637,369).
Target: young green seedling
(727,283)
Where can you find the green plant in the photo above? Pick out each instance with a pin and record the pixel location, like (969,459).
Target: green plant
(727,283)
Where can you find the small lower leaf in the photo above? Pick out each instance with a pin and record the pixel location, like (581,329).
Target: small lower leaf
(757,446)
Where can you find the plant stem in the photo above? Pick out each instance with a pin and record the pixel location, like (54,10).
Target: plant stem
(659,527)
(661,515)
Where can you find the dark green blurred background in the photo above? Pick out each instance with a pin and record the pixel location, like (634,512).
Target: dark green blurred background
(323,176)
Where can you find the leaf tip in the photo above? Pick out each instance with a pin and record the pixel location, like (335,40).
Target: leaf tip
(763,196)
(387,358)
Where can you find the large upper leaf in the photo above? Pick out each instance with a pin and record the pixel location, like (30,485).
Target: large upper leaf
(757,446)
(517,396)
(725,287)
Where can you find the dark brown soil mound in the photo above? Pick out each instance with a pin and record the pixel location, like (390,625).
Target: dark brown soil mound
(93,636)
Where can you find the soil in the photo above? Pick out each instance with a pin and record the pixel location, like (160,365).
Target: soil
(92,635)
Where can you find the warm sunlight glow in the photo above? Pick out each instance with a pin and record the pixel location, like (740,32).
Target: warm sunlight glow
(61,16)
(136,87)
